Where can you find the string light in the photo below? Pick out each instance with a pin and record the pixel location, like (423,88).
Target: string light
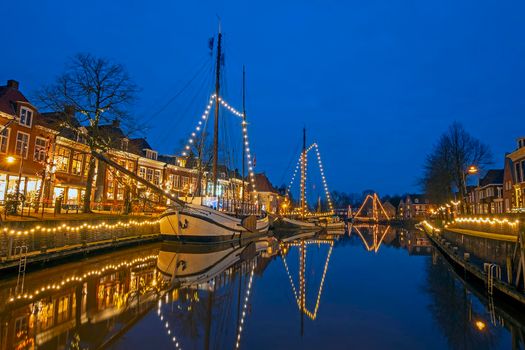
(230,108)
(244,309)
(429,226)
(84,226)
(301,303)
(490,221)
(303,181)
(166,324)
(80,278)
(323,177)
(377,244)
(244,125)
(203,119)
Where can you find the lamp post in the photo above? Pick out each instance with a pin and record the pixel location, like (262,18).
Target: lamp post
(11,160)
(471,170)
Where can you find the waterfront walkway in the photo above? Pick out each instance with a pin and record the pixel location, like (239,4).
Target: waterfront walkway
(29,240)
(50,215)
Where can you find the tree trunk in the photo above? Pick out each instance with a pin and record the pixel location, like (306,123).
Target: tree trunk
(127,201)
(89,185)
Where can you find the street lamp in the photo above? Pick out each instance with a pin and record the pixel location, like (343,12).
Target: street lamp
(471,170)
(11,160)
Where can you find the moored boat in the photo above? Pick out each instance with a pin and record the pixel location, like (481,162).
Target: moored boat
(201,224)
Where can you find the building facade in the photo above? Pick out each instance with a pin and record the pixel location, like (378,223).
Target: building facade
(25,144)
(48,163)
(514,179)
(415,206)
(487,197)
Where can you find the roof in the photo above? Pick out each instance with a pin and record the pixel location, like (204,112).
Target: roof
(262,184)
(418,199)
(56,120)
(9,98)
(113,134)
(138,146)
(492,177)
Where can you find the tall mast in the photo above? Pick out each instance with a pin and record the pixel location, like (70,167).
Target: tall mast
(216,122)
(303,175)
(243,126)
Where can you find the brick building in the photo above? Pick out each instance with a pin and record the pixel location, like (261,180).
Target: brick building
(415,206)
(514,179)
(25,144)
(487,197)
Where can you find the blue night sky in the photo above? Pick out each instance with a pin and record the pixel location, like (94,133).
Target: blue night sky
(375,82)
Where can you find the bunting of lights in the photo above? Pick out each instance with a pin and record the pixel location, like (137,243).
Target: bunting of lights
(230,108)
(84,226)
(198,128)
(193,137)
(323,177)
(248,155)
(245,306)
(303,181)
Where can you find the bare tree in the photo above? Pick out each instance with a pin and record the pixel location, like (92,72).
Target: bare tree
(99,90)
(446,167)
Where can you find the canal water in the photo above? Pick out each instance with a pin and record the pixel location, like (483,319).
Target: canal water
(374,287)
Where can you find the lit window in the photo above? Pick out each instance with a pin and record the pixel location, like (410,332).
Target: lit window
(149,175)
(151,154)
(26,116)
(120,192)
(142,172)
(40,149)
(22,144)
(62,159)
(63,309)
(156,179)
(4,139)
(76,164)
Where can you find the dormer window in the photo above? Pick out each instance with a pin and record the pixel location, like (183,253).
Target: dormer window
(151,154)
(26,116)
(124,144)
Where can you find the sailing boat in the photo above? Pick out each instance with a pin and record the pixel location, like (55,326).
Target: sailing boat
(306,221)
(285,223)
(203,224)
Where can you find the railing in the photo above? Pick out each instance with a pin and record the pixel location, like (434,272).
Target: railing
(51,237)
(237,207)
(500,225)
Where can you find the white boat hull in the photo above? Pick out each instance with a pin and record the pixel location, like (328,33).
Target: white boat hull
(197,223)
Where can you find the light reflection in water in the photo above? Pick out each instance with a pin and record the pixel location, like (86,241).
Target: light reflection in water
(190,296)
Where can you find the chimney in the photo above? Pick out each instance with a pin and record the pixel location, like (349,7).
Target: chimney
(115,123)
(521,142)
(69,110)
(12,84)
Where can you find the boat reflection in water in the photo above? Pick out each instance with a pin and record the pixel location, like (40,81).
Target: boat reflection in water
(210,290)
